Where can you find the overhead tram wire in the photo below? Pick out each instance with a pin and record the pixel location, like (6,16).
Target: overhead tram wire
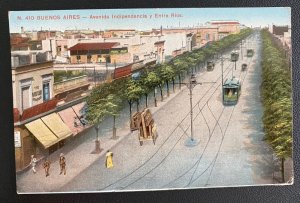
(173,146)
(113,183)
(199,158)
(223,136)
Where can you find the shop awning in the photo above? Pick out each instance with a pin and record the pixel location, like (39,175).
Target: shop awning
(42,133)
(57,126)
(79,109)
(68,116)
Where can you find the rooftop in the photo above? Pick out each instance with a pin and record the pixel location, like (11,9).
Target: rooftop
(94,46)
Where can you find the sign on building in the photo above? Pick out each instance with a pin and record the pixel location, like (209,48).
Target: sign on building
(17,139)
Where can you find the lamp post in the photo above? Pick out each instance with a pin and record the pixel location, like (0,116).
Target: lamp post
(94,76)
(190,85)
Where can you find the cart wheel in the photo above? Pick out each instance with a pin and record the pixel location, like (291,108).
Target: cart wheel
(141,143)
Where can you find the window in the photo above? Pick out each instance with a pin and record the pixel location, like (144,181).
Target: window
(207,36)
(89,57)
(26,93)
(46,91)
(46,87)
(25,97)
(78,58)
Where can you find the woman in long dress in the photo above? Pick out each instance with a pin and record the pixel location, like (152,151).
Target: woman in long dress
(109,161)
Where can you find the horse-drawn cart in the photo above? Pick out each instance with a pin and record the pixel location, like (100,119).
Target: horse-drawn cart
(144,123)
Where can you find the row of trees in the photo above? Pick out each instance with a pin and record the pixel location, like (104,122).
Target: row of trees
(108,99)
(276,94)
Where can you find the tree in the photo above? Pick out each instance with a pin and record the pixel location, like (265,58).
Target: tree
(151,80)
(114,106)
(166,74)
(276,88)
(133,93)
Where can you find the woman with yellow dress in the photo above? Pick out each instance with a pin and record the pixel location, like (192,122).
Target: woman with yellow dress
(109,161)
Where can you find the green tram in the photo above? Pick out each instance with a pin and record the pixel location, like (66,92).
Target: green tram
(250,52)
(231,91)
(210,65)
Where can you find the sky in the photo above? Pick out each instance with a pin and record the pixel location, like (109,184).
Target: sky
(148,18)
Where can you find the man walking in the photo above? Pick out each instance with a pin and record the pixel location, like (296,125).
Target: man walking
(46,166)
(62,164)
(33,163)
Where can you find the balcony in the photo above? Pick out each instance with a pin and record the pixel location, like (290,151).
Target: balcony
(69,84)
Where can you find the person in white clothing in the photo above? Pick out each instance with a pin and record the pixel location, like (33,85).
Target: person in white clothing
(33,163)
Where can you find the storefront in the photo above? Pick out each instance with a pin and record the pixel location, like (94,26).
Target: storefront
(40,137)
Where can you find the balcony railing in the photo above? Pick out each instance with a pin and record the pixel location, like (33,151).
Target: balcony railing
(70,83)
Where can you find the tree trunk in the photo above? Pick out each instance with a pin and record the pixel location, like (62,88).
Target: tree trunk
(161,93)
(173,80)
(168,92)
(146,96)
(282,170)
(179,77)
(130,106)
(137,105)
(155,100)
(114,128)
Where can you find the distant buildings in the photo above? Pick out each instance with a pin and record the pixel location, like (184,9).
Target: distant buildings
(48,113)
(89,46)
(283,33)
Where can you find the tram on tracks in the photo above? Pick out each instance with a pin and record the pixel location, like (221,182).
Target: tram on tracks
(231,91)
(210,65)
(144,124)
(244,67)
(250,52)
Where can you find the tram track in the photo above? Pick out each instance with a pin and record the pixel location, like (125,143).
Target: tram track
(217,123)
(227,69)
(215,158)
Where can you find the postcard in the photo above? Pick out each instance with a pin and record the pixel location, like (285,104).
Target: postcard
(151,99)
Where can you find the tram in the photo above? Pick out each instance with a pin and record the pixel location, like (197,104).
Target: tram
(144,124)
(244,67)
(231,91)
(210,65)
(250,52)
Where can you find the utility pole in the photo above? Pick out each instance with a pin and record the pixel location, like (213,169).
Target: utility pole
(191,104)
(94,76)
(222,63)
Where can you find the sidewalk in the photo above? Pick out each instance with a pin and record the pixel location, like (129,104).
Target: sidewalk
(78,152)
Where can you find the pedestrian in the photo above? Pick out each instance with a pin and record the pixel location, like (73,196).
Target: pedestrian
(62,164)
(33,163)
(109,161)
(46,166)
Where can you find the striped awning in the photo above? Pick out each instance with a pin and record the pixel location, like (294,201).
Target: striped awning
(42,133)
(57,126)
(49,130)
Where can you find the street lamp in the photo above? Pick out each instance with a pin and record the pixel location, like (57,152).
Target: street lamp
(190,85)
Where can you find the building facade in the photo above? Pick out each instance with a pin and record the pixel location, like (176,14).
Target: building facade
(109,52)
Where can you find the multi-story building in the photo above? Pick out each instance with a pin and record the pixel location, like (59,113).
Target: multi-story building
(32,77)
(226,27)
(99,52)
(40,125)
